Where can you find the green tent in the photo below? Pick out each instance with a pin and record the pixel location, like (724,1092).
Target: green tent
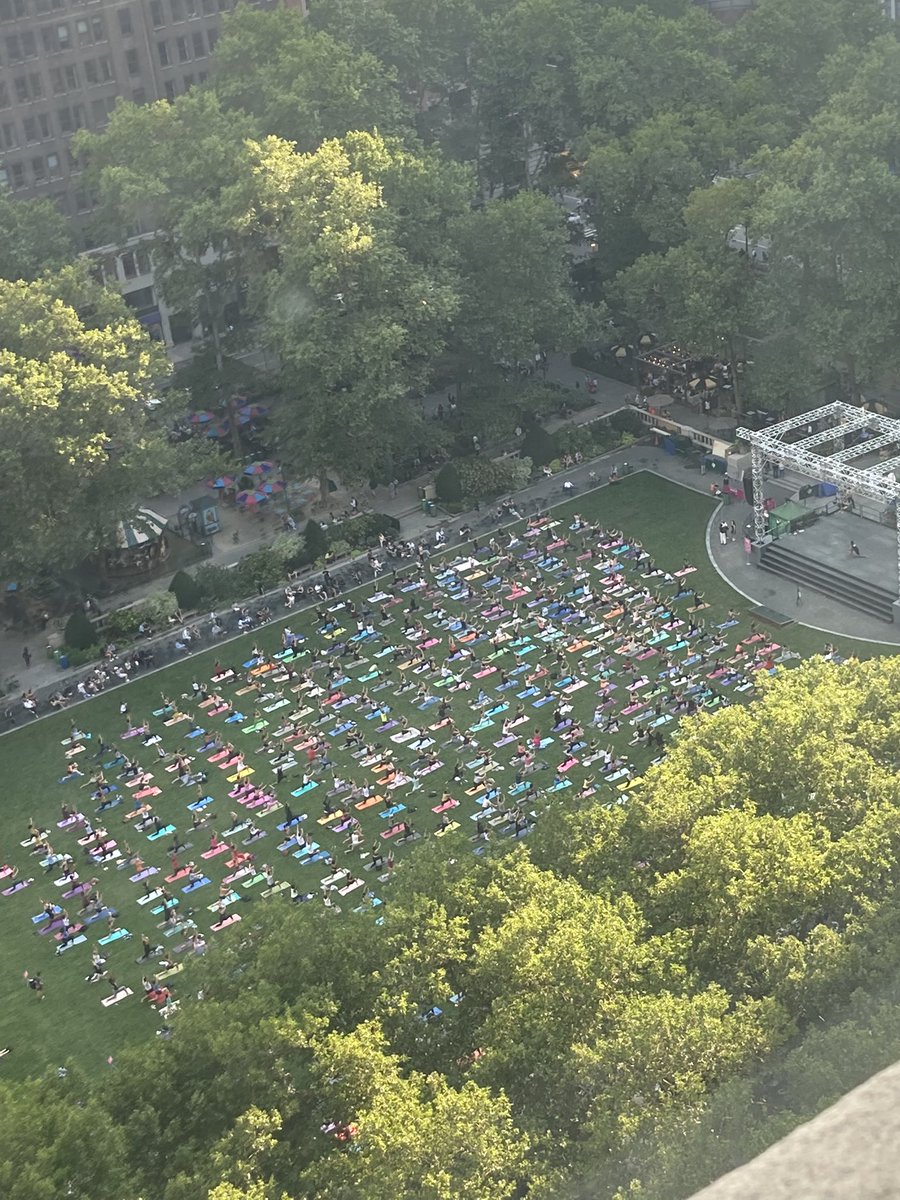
(789,517)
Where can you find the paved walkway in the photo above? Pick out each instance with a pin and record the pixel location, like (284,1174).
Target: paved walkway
(256,529)
(816,611)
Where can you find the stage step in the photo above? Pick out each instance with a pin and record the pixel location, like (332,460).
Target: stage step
(782,559)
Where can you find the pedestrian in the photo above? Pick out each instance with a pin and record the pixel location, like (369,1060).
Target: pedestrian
(854,550)
(723,533)
(37,985)
(26,656)
(799,597)
(733,531)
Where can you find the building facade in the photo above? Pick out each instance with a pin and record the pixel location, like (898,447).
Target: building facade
(63,66)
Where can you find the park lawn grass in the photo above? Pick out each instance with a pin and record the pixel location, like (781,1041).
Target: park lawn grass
(70,1024)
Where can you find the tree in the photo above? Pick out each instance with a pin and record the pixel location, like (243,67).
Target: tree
(34,237)
(786,43)
(363,299)
(516,289)
(409,1133)
(835,267)
(42,1121)
(184,173)
(76,436)
(301,84)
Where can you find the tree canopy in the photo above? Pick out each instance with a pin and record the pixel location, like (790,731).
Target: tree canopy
(79,447)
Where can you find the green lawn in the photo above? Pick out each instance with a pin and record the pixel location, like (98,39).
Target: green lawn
(71,1023)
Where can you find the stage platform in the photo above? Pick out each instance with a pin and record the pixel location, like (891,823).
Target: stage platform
(818,557)
(826,543)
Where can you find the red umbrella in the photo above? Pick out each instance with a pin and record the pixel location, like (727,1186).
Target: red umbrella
(273,488)
(260,468)
(251,499)
(224,481)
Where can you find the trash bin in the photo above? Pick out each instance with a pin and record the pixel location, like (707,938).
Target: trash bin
(63,662)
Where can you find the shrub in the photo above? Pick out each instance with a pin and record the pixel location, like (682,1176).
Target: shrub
(261,570)
(88,654)
(186,591)
(626,420)
(363,531)
(447,485)
(122,624)
(539,445)
(217,585)
(491,477)
(287,547)
(157,609)
(315,539)
(80,631)
(336,550)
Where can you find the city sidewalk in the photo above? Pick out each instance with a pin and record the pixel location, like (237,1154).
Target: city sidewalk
(257,529)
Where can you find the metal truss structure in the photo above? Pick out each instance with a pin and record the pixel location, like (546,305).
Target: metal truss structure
(823,454)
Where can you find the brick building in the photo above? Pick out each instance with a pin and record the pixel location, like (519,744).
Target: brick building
(63,66)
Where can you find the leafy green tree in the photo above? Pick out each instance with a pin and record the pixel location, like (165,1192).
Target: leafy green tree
(75,372)
(409,1133)
(363,300)
(184,173)
(43,1122)
(299,83)
(786,43)
(516,289)
(34,237)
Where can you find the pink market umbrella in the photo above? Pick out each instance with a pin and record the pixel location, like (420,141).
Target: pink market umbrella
(202,418)
(260,468)
(251,499)
(224,481)
(273,488)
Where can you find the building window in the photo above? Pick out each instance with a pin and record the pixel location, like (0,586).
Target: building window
(139,96)
(53,166)
(188,81)
(4,178)
(133,62)
(17,175)
(4,94)
(165,58)
(8,136)
(177,7)
(99,70)
(169,88)
(11,10)
(98,29)
(156,13)
(20,83)
(83,32)
(182,49)
(100,110)
(199,44)
(71,75)
(39,169)
(125,24)
(37,129)
(36,86)
(209,8)
(135,263)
